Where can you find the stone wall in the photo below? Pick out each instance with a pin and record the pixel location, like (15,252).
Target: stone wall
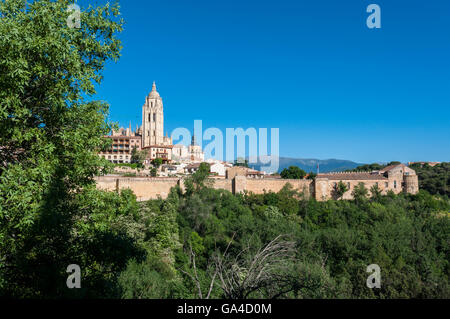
(258,186)
(324,187)
(147,188)
(222,184)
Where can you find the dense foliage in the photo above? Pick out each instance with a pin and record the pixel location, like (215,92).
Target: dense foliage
(50,213)
(293,172)
(406,235)
(434,179)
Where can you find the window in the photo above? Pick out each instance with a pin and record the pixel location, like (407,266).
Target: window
(154,117)
(395,184)
(348,185)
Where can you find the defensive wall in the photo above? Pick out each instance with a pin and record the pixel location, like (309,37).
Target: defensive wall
(147,188)
(395,178)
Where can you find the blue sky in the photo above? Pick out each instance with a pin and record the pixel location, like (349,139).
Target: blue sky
(313,69)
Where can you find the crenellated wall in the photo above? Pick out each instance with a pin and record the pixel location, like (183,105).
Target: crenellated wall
(147,188)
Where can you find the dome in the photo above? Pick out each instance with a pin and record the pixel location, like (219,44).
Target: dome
(154,94)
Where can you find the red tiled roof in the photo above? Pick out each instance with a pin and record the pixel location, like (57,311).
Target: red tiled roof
(388,168)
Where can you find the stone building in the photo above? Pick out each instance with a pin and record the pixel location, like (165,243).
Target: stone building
(397,178)
(192,153)
(180,152)
(123,142)
(161,151)
(195,151)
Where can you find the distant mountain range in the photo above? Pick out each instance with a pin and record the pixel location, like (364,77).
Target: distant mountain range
(310,165)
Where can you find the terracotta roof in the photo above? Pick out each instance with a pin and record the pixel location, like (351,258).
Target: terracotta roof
(351,176)
(195,165)
(388,168)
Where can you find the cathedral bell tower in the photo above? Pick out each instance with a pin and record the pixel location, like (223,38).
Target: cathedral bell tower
(153,119)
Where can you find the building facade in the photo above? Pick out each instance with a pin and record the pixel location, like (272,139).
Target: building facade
(123,142)
(396,178)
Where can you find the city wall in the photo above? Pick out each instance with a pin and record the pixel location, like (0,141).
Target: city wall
(147,188)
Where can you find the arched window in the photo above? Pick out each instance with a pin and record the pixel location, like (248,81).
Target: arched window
(154,117)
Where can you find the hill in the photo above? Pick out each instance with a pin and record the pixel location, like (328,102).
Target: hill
(310,165)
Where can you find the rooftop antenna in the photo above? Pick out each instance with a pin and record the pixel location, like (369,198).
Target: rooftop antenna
(317,168)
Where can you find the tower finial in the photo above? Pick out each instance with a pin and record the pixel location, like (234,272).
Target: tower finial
(154,86)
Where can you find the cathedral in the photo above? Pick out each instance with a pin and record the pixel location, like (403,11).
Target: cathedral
(152,130)
(150,137)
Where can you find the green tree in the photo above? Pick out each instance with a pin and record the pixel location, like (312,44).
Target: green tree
(312,175)
(138,157)
(434,179)
(293,172)
(360,192)
(51,130)
(157,162)
(375,191)
(339,190)
(196,181)
(150,279)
